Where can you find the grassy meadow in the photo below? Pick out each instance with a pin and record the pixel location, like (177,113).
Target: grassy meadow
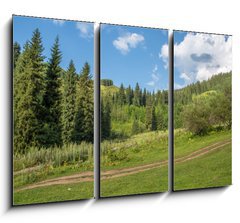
(202,120)
(39,165)
(136,151)
(212,169)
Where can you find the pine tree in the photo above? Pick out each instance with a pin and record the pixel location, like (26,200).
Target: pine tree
(29,87)
(136,98)
(52,98)
(144,97)
(165,97)
(148,119)
(121,95)
(154,119)
(141,97)
(129,95)
(105,119)
(68,104)
(16,53)
(84,107)
(38,81)
(24,117)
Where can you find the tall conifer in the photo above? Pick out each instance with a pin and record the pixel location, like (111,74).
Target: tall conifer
(68,104)
(84,107)
(52,97)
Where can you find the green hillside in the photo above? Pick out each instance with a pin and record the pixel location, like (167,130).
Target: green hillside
(109,90)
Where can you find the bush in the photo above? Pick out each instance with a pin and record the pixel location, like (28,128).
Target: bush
(207,110)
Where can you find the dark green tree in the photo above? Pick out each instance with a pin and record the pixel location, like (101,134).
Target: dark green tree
(38,81)
(154,119)
(129,95)
(121,95)
(136,98)
(25,118)
(29,85)
(106,82)
(144,95)
(16,53)
(148,119)
(84,107)
(105,119)
(52,98)
(68,104)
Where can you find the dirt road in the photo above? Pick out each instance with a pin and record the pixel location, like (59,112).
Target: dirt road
(110,174)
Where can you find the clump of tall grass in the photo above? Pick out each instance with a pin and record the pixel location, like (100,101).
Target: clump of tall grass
(54,156)
(134,141)
(115,151)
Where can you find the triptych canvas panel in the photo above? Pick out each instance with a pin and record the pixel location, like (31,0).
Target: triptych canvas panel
(53,110)
(202,110)
(134,110)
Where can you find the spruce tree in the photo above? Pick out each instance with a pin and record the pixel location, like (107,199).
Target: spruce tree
(52,98)
(16,53)
(154,119)
(144,97)
(29,87)
(148,119)
(84,120)
(105,119)
(136,98)
(24,117)
(38,81)
(141,97)
(68,104)
(129,95)
(121,95)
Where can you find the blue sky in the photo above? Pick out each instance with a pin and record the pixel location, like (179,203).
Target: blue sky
(199,56)
(76,38)
(133,54)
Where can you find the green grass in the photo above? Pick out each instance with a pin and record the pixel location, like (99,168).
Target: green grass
(54,156)
(150,181)
(122,128)
(137,150)
(54,193)
(47,173)
(210,170)
(51,163)
(185,143)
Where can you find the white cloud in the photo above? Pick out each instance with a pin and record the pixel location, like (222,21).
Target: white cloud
(186,78)
(200,56)
(164,55)
(58,22)
(155,78)
(178,86)
(155,68)
(151,83)
(86,29)
(129,40)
